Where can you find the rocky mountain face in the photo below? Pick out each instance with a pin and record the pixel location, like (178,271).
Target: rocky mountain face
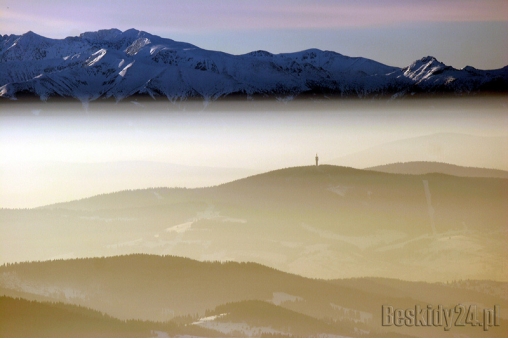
(115,64)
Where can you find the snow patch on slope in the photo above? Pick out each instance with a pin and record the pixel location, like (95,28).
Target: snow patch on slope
(124,70)
(96,57)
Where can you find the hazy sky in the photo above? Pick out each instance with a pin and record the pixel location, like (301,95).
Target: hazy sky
(47,157)
(395,32)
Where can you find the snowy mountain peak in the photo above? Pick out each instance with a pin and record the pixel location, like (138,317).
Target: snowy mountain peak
(426,62)
(111,63)
(136,46)
(31,38)
(260,54)
(429,58)
(133,32)
(425,68)
(103,34)
(31,34)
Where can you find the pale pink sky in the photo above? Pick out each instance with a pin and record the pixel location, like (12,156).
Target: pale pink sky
(396,32)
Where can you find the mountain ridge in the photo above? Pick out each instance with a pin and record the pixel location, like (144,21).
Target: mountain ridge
(115,64)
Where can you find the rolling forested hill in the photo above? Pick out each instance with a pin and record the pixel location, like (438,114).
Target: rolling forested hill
(25,318)
(324,222)
(232,298)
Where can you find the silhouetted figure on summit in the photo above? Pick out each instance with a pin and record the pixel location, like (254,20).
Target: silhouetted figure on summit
(317,159)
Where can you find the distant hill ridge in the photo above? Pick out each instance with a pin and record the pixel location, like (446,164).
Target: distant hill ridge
(451,148)
(425,167)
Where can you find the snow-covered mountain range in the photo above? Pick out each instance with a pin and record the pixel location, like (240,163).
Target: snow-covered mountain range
(115,64)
